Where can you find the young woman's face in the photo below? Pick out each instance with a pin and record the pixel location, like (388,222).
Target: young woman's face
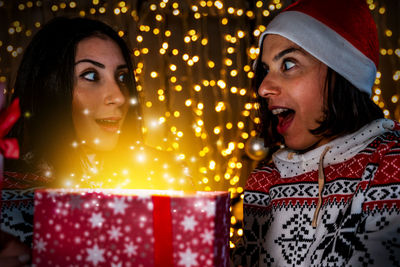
(100,95)
(293,87)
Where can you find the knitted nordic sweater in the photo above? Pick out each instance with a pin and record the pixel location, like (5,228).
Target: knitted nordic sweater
(358,223)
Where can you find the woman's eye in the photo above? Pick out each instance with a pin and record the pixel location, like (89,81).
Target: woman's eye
(90,76)
(287,64)
(122,77)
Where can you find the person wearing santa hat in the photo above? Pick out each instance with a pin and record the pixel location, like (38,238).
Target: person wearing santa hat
(331,194)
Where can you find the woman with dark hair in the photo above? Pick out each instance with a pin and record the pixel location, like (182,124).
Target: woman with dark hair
(80,125)
(328,197)
(61,71)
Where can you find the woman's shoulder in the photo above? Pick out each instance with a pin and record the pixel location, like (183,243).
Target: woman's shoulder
(20,175)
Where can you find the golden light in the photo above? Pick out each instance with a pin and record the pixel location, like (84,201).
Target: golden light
(221,84)
(212,165)
(172,67)
(197,88)
(188,102)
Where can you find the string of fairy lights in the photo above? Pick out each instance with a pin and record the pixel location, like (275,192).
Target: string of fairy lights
(193,63)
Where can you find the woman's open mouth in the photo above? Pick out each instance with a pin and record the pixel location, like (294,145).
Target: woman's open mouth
(109,124)
(285,117)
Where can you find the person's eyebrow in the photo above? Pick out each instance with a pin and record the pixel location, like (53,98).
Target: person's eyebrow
(286,51)
(125,66)
(98,64)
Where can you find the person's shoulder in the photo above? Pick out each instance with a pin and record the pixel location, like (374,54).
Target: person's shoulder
(20,175)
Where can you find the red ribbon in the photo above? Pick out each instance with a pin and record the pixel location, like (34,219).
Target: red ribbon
(162,225)
(9,147)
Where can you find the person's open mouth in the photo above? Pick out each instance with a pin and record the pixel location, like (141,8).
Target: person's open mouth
(285,118)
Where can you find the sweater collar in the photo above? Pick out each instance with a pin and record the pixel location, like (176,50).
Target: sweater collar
(290,163)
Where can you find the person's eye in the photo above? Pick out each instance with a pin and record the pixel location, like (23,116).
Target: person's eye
(90,76)
(122,77)
(288,64)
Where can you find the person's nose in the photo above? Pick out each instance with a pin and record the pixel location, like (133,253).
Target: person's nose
(270,86)
(114,94)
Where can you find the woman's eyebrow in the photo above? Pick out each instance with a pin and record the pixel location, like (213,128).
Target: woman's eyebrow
(98,64)
(125,66)
(286,51)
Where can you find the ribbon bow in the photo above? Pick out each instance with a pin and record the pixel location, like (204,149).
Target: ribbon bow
(9,146)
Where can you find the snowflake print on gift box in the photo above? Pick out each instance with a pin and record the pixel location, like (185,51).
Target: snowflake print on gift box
(96,220)
(40,245)
(75,202)
(207,236)
(188,258)
(95,254)
(118,206)
(189,223)
(114,233)
(209,208)
(130,249)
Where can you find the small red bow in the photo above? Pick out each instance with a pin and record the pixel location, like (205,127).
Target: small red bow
(9,147)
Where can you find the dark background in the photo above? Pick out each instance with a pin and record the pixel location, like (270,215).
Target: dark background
(213,132)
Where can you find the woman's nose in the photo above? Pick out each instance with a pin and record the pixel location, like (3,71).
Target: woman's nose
(114,94)
(269,86)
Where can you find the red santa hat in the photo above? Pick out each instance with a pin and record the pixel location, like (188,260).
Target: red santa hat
(340,33)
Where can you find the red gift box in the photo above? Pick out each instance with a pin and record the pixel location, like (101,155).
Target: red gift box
(130,228)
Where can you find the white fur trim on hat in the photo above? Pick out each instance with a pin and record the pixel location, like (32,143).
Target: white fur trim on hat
(326,45)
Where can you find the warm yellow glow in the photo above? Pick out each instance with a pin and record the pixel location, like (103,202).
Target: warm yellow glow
(197,88)
(212,165)
(172,67)
(188,102)
(221,84)
(159,17)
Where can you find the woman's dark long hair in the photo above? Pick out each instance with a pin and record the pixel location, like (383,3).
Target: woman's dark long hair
(44,84)
(346,109)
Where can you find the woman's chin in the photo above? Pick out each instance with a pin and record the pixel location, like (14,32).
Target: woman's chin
(102,145)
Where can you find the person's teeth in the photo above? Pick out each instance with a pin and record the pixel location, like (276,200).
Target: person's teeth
(107,121)
(278,111)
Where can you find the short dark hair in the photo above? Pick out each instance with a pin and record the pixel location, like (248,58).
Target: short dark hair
(44,84)
(346,109)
